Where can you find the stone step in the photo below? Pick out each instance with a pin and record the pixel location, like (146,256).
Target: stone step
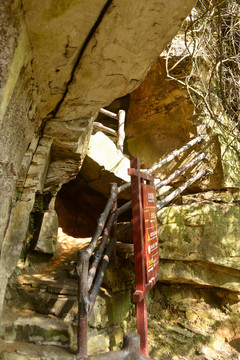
(56,295)
(29,351)
(44,302)
(110,308)
(28,327)
(42,310)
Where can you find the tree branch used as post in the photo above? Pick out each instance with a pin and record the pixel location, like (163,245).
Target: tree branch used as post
(181,188)
(108,113)
(102,219)
(121,131)
(83,304)
(101,127)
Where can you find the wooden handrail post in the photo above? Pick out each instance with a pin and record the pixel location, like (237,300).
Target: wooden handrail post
(140,275)
(83,304)
(121,131)
(113,234)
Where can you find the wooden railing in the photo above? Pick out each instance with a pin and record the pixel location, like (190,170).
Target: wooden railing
(120,134)
(90,279)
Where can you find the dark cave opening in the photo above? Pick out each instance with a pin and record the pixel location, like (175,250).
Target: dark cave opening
(79,206)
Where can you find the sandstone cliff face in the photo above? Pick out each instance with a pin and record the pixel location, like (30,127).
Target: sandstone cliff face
(60,62)
(199,233)
(161,118)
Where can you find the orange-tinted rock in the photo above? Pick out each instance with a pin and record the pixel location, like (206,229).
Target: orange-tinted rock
(159,118)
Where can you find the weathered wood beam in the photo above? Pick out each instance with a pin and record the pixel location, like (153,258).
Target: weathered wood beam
(106,129)
(102,219)
(179,190)
(121,131)
(174,154)
(108,113)
(180,171)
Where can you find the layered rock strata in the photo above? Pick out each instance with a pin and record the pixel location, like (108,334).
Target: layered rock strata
(61,62)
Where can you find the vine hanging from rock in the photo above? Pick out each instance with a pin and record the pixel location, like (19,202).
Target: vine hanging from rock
(211,36)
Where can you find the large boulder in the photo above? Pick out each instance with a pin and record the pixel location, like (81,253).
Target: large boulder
(48,233)
(104,164)
(199,241)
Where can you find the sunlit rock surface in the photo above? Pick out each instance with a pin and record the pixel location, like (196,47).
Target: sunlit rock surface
(62,61)
(104,164)
(199,241)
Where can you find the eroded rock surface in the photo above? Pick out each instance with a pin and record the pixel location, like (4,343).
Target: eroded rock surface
(199,241)
(104,164)
(198,233)
(161,118)
(61,62)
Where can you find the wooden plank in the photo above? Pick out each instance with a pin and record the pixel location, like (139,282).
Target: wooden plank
(140,276)
(108,113)
(150,231)
(101,127)
(143,175)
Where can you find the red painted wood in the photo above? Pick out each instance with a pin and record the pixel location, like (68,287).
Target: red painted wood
(145,240)
(151,283)
(139,295)
(139,255)
(150,231)
(142,174)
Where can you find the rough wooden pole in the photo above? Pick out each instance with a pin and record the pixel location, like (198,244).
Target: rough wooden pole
(99,279)
(108,113)
(181,188)
(101,127)
(83,305)
(170,157)
(174,154)
(121,131)
(180,171)
(100,250)
(102,220)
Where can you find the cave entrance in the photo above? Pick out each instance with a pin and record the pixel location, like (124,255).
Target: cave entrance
(78,208)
